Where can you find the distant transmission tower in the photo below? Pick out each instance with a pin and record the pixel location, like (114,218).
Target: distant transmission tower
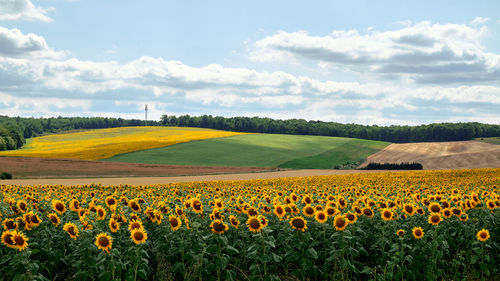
(146,113)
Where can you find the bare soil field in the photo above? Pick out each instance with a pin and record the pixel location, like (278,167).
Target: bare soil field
(22,167)
(175,179)
(441,155)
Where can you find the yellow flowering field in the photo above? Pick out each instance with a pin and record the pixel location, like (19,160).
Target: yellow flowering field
(420,225)
(105,143)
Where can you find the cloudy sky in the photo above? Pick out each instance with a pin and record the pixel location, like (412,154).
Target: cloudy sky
(369,62)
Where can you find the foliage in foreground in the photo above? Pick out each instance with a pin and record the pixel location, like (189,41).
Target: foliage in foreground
(429,225)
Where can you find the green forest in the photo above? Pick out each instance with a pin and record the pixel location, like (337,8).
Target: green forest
(397,134)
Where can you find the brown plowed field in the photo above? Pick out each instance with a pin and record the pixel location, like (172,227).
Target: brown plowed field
(22,167)
(441,155)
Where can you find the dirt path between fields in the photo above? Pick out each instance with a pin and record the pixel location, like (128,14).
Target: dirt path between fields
(165,180)
(441,155)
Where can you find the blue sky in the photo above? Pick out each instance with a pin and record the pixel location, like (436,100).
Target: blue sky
(368,62)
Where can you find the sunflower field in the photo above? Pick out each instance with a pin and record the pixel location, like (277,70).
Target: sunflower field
(105,143)
(425,225)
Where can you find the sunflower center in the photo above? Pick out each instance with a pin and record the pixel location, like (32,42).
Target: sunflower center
(254,224)
(135,225)
(339,223)
(59,207)
(483,235)
(138,235)
(321,216)
(174,222)
(387,214)
(197,205)
(218,227)
(10,224)
(103,241)
(418,232)
(435,208)
(19,240)
(53,219)
(71,230)
(8,239)
(367,212)
(298,223)
(34,219)
(350,217)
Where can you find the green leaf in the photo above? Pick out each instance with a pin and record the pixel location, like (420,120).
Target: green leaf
(312,253)
(232,250)
(473,259)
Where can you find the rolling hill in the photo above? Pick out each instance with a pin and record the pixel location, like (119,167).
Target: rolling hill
(260,150)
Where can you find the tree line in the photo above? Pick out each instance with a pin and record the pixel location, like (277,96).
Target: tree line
(394,166)
(15,130)
(397,134)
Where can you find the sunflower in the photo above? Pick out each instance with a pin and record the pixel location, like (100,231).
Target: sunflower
(400,233)
(386,214)
(134,206)
(263,221)
(279,211)
(21,242)
(434,208)
(54,219)
(113,225)
(174,221)
(218,227)
(331,211)
(71,229)
(234,221)
(418,232)
(464,217)
(74,205)
(111,202)
(139,236)
(351,217)
(308,211)
(320,216)
(254,225)
(367,211)
(298,223)
(134,224)
(434,219)
(32,220)
(409,209)
(447,213)
(483,235)
(10,224)
(100,213)
(58,206)
(22,205)
(197,206)
(340,223)
(8,238)
(103,241)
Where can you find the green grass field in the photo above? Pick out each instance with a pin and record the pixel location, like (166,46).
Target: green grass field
(492,140)
(259,150)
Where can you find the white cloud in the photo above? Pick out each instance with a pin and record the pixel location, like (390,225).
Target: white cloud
(423,52)
(23,10)
(55,85)
(15,44)
(479,20)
